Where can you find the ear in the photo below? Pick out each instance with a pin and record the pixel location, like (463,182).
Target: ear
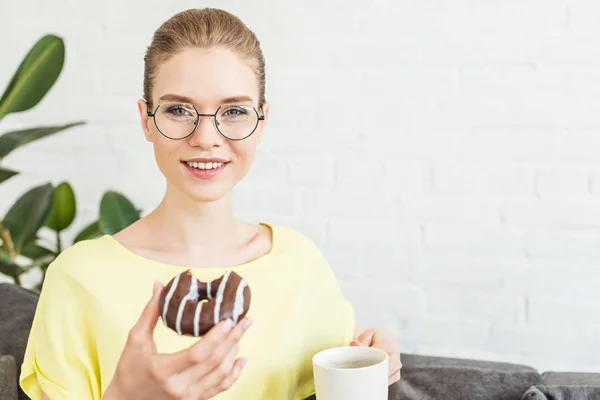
(145,120)
(263,111)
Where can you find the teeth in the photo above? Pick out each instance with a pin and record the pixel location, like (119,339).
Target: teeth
(208,165)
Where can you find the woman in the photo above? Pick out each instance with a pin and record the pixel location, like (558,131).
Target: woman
(97,336)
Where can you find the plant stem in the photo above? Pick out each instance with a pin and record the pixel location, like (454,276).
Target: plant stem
(58,243)
(17,279)
(9,243)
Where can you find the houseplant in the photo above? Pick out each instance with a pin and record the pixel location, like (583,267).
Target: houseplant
(45,208)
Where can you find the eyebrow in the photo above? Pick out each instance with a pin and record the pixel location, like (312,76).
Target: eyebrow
(185,99)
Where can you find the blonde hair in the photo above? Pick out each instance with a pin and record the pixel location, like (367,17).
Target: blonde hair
(204,28)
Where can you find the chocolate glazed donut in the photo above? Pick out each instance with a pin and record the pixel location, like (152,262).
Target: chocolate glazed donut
(191,307)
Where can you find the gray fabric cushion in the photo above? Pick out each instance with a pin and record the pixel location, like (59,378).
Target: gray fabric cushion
(8,378)
(415,360)
(425,378)
(542,392)
(17,308)
(571,378)
(534,393)
(565,386)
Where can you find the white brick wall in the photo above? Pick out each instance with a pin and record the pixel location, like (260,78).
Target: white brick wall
(444,155)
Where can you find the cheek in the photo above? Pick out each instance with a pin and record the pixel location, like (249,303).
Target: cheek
(165,152)
(245,151)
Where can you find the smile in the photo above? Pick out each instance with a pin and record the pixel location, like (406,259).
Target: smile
(204,166)
(205,170)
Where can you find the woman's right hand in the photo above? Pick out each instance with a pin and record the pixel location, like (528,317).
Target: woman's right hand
(198,372)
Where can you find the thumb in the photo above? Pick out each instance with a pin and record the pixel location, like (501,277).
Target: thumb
(147,321)
(364,339)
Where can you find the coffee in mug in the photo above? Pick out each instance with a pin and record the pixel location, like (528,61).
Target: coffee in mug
(351,373)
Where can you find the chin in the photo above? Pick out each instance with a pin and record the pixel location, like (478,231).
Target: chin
(206,197)
(208,193)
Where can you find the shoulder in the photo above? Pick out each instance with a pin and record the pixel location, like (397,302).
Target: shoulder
(299,249)
(78,262)
(291,240)
(83,252)
(303,254)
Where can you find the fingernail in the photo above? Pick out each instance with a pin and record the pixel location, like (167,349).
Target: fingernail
(156,287)
(227,325)
(247,323)
(243,362)
(355,343)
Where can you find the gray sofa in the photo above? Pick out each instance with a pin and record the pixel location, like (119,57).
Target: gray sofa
(423,378)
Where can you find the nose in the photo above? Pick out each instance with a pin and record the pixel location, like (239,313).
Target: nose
(206,134)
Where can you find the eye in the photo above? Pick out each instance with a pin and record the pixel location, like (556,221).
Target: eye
(236,111)
(178,111)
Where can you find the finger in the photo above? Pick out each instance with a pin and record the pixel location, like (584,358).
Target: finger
(181,385)
(167,364)
(366,337)
(144,327)
(395,364)
(224,347)
(356,343)
(394,378)
(234,376)
(209,350)
(385,340)
(199,371)
(220,361)
(211,387)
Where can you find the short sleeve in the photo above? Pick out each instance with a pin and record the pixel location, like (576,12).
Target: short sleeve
(59,357)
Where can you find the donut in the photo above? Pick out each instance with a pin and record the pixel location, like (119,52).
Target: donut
(191,307)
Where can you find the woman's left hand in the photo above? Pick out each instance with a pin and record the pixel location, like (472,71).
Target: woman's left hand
(382,339)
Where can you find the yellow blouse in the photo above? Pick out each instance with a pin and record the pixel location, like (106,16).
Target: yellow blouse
(95,291)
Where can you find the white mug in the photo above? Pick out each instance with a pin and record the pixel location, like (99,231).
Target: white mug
(351,373)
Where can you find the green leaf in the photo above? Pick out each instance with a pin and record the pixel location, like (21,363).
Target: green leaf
(6,174)
(34,251)
(89,232)
(27,214)
(63,208)
(116,212)
(8,266)
(34,77)
(12,140)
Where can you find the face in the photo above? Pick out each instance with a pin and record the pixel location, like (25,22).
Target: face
(207,164)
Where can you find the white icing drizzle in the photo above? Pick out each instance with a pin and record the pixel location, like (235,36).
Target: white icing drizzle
(208,290)
(180,313)
(238,305)
(197,319)
(168,298)
(219,297)
(193,295)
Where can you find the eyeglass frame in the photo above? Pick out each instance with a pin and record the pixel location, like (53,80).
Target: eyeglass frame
(198,115)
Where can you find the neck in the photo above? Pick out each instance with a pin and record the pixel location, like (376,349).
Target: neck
(188,224)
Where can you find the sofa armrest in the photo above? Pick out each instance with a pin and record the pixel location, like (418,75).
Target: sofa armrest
(394,392)
(8,378)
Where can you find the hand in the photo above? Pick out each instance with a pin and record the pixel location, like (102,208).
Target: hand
(382,339)
(198,372)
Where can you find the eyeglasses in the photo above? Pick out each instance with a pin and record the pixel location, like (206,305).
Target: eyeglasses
(176,120)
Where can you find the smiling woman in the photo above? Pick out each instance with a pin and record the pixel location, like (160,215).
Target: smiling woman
(96,334)
(206,111)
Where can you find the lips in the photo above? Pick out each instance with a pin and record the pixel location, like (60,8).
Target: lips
(204,170)
(205,165)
